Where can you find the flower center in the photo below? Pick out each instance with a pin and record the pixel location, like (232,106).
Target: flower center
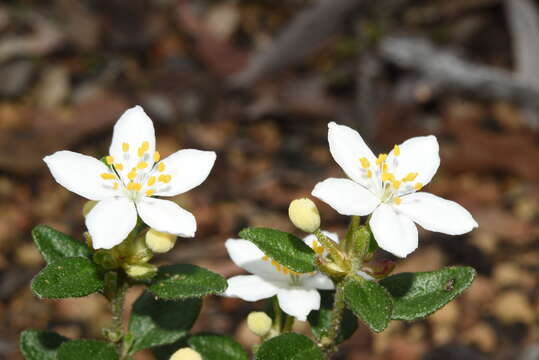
(383,182)
(134,175)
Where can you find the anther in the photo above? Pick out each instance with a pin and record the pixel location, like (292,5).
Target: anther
(132,174)
(116,186)
(109,159)
(156,156)
(125,147)
(119,166)
(410,177)
(150,192)
(142,165)
(164,178)
(369,174)
(397,200)
(365,164)
(396,184)
(161,167)
(396,150)
(265,258)
(381,159)
(134,186)
(108,176)
(386,176)
(418,186)
(151,180)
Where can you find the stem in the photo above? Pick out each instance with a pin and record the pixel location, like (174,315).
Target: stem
(288,323)
(278,315)
(328,342)
(115,292)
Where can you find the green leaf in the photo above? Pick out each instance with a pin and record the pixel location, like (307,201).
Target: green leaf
(87,350)
(54,245)
(156,322)
(68,277)
(217,347)
(289,346)
(370,302)
(417,295)
(320,320)
(40,345)
(186,281)
(283,247)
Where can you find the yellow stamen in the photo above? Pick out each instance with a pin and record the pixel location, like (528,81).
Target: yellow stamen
(397,200)
(134,186)
(151,180)
(150,192)
(145,145)
(265,258)
(381,159)
(116,186)
(396,184)
(161,167)
(410,177)
(286,271)
(318,248)
(418,186)
(119,166)
(125,147)
(156,156)
(142,165)
(386,176)
(365,164)
(164,178)
(109,159)
(132,174)
(108,176)
(276,265)
(396,150)
(143,148)
(369,174)
(385,168)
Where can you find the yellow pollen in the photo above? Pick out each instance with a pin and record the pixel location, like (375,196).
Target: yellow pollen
(134,186)
(369,174)
(385,168)
(164,178)
(276,265)
(286,271)
(318,248)
(142,165)
(365,163)
(132,174)
(386,176)
(125,147)
(109,160)
(265,258)
(108,176)
(396,150)
(397,200)
(161,167)
(119,166)
(151,180)
(418,186)
(115,186)
(156,156)
(145,145)
(410,177)
(150,192)
(381,159)
(396,184)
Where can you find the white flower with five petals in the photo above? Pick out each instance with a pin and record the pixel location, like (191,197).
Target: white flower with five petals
(297,293)
(126,188)
(388,187)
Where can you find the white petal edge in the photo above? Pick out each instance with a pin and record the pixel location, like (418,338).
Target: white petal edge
(188,168)
(298,302)
(347,147)
(134,127)
(393,232)
(437,214)
(248,256)
(318,281)
(250,288)
(167,216)
(110,221)
(419,154)
(346,197)
(80,174)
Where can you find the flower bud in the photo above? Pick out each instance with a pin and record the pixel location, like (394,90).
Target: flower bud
(304,215)
(135,251)
(160,242)
(186,353)
(106,259)
(141,271)
(88,206)
(259,323)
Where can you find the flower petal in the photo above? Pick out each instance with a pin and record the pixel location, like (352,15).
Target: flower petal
(110,221)
(393,232)
(133,128)
(80,174)
(167,216)
(250,288)
(248,256)
(436,214)
(188,168)
(346,197)
(417,155)
(298,302)
(347,147)
(318,281)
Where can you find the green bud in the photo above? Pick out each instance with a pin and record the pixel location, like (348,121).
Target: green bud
(140,271)
(259,323)
(361,241)
(106,259)
(135,251)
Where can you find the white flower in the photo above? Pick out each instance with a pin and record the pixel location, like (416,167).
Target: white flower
(387,186)
(297,293)
(128,185)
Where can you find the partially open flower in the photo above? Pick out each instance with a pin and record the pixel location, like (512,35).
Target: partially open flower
(304,215)
(186,353)
(259,323)
(160,242)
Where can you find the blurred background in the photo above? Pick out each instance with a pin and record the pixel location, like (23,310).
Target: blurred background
(258,81)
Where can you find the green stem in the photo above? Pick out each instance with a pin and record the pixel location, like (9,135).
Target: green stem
(116,295)
(278,315)
(288,323)
(328,342)
(332,247)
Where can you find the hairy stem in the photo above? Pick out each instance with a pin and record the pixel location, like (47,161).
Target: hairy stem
(328,343)
(288,323)
(116,289)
